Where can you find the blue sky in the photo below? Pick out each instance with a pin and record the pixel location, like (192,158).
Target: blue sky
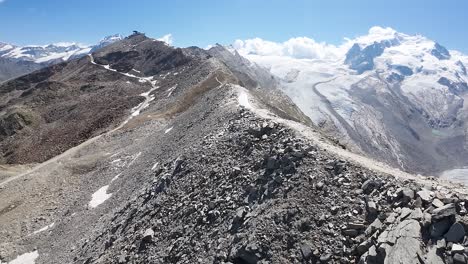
(205,22)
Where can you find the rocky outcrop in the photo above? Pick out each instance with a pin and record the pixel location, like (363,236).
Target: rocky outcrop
(257,193)
(440,52)
(420,226)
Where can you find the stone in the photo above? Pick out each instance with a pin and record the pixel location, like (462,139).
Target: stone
(407,249)
(418,202)
(248,254)
(455,233)
(386,237)
(306,251)
(427,219)
(148,235)
(350,232)
(406,229)
(368,186)
(433,258)
(437,203)
(334,209)
(425,195)
(122,259)
(356,225)
(405,212)
(461,209)
(457,248)
(407,193)
(372,208)
(325,258)
(391,218)
(459,259)
(416,214)
(271,163)
(339,167)
(375,226)
(441,244)
(444,211)
(320,185)
(438,229)
(364,246)
(372,256)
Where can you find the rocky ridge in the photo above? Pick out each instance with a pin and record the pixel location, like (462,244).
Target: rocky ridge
(258,193)
(213,170)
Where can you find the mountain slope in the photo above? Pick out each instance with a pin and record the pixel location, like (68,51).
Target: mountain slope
(393,96)
(11,68)
(202,160)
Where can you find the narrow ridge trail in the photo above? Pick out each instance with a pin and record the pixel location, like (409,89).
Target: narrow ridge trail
(245,100)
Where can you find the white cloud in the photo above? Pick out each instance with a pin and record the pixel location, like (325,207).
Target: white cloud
(300,48)
(377,34)
(307,48)
(166,38)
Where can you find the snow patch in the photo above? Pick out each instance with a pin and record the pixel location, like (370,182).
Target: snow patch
(27,258)
(116,177)
(43,229)
(244,99)
(168,130)
(171,90)
(99,197)
(155,166)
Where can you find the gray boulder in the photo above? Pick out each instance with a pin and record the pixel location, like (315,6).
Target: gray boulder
(439,228)
(444,211)
(455,233)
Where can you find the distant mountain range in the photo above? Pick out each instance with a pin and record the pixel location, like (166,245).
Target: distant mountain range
(16,60)
(395,96)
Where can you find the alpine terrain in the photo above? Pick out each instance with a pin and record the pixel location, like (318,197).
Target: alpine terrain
(16,61)
(395,97)
(135,151)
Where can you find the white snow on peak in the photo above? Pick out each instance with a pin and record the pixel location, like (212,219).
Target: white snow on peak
(61,51)
(27,258)
(5,47)
(112,38)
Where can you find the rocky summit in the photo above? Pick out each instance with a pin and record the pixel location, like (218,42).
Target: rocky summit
(141,152)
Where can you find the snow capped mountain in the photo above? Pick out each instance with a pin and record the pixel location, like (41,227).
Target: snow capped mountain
(394,96)
(16,61)
(52,53)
